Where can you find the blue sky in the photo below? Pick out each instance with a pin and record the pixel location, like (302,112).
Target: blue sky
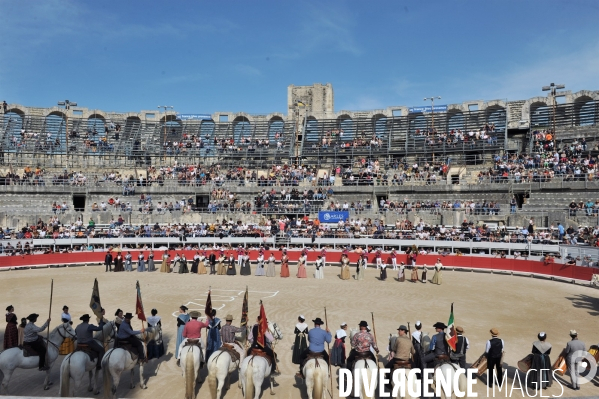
(203,57)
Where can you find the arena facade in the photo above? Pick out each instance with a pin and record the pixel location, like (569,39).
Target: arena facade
(499,191)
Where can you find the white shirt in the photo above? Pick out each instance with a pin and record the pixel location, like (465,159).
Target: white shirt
(65,316)
(341,333)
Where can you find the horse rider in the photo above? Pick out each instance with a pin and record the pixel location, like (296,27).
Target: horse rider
(361,343)
(438,349)
(192,330)
(127,333)
(573,346)
(228,331)
(35,341)
(403,350)
(268,339)
(459,355)
(85,336)
(316,337)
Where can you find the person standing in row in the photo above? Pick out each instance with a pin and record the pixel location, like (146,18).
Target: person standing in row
(68,345)
(270,269)
(108,261)
(151,266)
(260,268)
(424,270)
(494,353)
(319,272)
(202,263)
(246,269)
(141,265)
(118,263)
(301,341)
(437,276)
(128,262)
(573,358)
(394,259)
(11,333)
(165,267)
(301,266)
(345,272)
(401,275)
(414,275)
(285,264)
(540,368)
(383,272)
(212,261)
(232,268)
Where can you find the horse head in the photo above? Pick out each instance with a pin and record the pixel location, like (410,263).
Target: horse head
(64,330)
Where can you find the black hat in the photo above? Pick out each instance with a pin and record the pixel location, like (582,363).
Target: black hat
(363,324)
(9,307)
(33,317)
(65,307)
(184,308)
(440,325)
(318,321)
(84,317)
(117,312)
(402,327)
(128,316)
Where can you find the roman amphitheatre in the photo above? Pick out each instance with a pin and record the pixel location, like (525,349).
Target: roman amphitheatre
(503,192)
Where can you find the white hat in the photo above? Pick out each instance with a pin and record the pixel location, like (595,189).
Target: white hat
(343,324)
(302,317)
(573,333)
(418,323)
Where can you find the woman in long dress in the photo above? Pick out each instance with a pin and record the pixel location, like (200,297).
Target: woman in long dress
(176,263)
(151,266)
(437,276)
(345,273)
(231,267)
(221,269)
(301,340)
(128,263)
(540,369)
(301,268)
(284,264)
(155,346)
(11,333)
(383,272)
(401,275)
(183,265)
(194,264)
(270,269)
(165,267)
(246,269)
(414,276)
(118,263)
(141,266)
(424,270)
(360,270)
(319,266)
(338,350)
(260,268)
(182,319)
(202,263)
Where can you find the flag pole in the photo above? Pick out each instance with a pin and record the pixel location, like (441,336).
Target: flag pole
(326,323)
(375,341)
(50,311)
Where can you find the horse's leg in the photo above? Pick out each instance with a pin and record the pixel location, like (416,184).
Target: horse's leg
(90,387)
(142,384)
(96,386)
(47,381)
(272,380)
(132,383)
(5,380)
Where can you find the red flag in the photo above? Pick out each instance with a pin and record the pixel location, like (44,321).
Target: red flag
(262,327)
(451,336)
(139,306)
(244,310)
(208,309)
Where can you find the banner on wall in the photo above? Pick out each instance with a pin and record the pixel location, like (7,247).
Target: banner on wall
(332,216)
(194,117)
(427,108)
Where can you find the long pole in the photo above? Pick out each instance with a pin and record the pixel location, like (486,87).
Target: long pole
(50,311)
(326,323)
(374,331)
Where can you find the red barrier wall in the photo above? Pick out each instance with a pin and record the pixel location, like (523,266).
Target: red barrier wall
(333,257)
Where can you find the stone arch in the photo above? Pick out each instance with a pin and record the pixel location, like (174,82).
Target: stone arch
(17,111)
(276,125)
(417,123)
(540,114)
(455,120)
(379,125)
(242,127)
(55,126)
(207,129)
(96,122)
(12,123)
(496,114)
(585,111)
(312,129)
(347,125)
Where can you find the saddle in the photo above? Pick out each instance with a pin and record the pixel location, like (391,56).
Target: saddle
(28,350)
(312,355)
(128,346)
(230,349)
(193,342)
(261,353)
(442,358)
(362,356)
(85,348)
(400,364)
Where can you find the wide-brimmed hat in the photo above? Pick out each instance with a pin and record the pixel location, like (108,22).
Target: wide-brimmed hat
(229,317)
(318,321)
(85,317)
(128,316)
(194,314)
(459,329)
(363,324)
(402,327)
(573,333)
(440,325)
(33,316)
(494,331)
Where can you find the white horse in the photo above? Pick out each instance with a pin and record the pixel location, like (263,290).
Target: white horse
(192,357)
(406,383)
(220,367)
(117,360)
(13,358)
(76,364)
(254,369)
(370,367)
(449,369)
(316,372)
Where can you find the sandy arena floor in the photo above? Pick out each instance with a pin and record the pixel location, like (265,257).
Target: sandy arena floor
(519,307)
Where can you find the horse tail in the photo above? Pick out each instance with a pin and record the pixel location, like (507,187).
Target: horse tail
(318,375)
(65,377)
(189,375)
(212,371)
(249,381)
(106,377)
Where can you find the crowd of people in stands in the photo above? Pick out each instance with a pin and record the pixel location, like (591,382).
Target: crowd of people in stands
(456,137)
(192,142)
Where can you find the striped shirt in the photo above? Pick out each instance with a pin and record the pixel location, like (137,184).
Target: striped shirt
(227,333)
(31,330)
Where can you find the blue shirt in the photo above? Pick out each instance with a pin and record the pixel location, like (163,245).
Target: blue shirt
(125,331)
(317,337)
